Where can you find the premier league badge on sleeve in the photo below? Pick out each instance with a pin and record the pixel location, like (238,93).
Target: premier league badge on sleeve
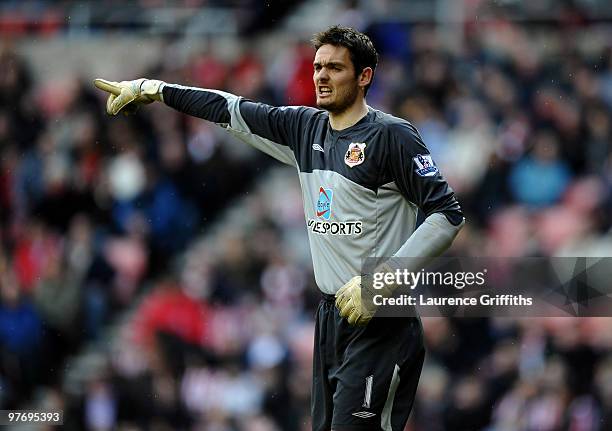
(355,155)
(425,165)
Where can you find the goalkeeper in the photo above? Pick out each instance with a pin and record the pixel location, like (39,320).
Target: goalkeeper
(364,174)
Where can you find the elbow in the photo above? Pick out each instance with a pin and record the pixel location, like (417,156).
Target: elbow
(449,223)
(455,217)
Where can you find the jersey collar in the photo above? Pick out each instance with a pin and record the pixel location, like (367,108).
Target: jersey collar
(365,119)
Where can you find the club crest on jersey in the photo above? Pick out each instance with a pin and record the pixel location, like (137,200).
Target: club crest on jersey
(323,206)
(425,165)
(355,155)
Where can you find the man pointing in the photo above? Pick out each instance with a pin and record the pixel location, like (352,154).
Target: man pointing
(364,175)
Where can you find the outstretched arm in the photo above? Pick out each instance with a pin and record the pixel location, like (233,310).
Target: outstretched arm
(276,131)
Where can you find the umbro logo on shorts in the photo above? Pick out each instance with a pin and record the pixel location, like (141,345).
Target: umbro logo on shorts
(364,415)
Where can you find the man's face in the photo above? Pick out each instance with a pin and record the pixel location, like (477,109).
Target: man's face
(336,85)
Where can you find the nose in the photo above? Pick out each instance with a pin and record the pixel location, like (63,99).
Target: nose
(321,75)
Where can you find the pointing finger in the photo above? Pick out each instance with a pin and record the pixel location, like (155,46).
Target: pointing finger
(108,86)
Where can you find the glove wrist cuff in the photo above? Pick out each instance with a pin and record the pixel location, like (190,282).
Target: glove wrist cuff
(386,289)
(152,88)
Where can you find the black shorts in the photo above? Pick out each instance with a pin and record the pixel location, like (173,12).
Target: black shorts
(364,377)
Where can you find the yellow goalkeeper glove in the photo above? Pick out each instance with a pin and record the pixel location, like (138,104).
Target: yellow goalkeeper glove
(127,96)
(357,310)
(355,300)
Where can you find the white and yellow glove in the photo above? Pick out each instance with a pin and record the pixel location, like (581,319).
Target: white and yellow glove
(355,301)
(127,96)
(352,307)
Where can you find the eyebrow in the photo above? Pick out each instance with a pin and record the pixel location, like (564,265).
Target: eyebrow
(330,63)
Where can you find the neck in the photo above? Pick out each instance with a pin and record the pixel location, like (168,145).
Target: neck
(348,117)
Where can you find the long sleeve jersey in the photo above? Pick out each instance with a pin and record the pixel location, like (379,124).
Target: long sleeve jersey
(361,186)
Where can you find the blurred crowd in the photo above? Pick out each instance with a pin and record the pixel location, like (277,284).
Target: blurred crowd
(91,209)
(105,216)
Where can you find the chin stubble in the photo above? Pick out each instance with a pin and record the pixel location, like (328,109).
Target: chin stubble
(342,105)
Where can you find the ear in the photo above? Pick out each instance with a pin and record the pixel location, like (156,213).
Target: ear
(366,76)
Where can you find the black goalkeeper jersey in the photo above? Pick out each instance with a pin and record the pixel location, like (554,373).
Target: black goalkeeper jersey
(361,186)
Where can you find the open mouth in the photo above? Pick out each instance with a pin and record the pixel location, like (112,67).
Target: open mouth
(324,91)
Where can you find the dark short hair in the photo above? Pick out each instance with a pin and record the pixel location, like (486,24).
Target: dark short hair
(360,47)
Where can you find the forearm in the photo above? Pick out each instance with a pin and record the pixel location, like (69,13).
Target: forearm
(432,238)
(226,110)
(211,105)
